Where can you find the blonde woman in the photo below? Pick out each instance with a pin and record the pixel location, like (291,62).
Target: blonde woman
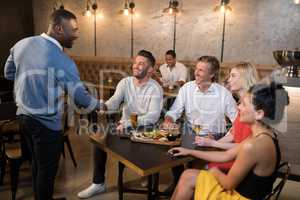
(242,76)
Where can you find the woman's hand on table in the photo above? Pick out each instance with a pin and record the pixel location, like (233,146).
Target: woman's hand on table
(179,151)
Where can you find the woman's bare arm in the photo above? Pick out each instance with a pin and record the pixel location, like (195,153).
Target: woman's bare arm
(244,162)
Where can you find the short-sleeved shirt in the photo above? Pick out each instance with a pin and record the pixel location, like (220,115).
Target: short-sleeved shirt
(172,75)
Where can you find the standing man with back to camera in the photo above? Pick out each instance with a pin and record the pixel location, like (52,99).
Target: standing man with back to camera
(42,73)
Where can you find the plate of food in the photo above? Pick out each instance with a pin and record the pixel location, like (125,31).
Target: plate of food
(156,136)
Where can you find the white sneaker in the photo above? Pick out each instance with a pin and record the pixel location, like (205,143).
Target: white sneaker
(92,190)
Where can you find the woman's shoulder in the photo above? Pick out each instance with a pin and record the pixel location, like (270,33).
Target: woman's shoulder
(264,136)
(260,143)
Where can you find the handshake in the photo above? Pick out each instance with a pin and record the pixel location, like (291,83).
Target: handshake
(101,107)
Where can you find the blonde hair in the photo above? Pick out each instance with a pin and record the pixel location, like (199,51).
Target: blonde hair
(248,73)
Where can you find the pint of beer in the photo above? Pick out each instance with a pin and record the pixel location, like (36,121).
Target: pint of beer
(134,120)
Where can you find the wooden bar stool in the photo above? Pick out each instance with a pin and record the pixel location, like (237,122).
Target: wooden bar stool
(14,157)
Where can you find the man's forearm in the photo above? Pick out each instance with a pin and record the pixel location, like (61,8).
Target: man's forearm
(149,118)
(84,99)
(169,119)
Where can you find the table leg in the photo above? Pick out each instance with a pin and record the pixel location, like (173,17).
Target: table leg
(2,162)
(120,180)
(150,188)
(155,185)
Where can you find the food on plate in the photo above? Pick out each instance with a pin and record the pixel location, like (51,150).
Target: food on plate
(155,134)
(163,139)
(161,135)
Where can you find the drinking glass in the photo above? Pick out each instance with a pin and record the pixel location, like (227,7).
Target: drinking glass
(196,127)
(134,119)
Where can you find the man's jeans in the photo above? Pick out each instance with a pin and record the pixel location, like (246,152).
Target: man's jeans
(45,146)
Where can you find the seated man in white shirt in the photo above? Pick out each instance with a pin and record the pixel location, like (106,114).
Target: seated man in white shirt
(205,102)
(173,73)
(139,94)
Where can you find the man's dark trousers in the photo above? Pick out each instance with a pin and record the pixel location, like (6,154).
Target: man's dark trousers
(45,147)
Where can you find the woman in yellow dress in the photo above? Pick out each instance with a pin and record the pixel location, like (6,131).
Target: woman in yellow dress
(256,158)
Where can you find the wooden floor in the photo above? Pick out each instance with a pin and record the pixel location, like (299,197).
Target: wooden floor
(71,180)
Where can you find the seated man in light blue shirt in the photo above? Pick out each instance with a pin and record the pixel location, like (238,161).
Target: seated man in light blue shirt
(205,102)
(140,95)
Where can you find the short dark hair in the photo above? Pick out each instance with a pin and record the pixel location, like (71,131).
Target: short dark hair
(271,98)
(58,15)
(171,53)
(214,65)
(148,55)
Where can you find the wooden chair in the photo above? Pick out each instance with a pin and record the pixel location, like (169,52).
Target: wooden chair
(12,151)
(7,115)
(91,88)
(69,146)
(66,136)
(15,158)
(283,172)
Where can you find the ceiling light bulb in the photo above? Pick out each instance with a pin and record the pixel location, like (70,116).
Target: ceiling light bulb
(223,8)
(297,1)
(126,12)
(88,13)
(100,15)
(170,11)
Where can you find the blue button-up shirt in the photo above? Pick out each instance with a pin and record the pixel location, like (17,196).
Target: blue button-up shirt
(42,73)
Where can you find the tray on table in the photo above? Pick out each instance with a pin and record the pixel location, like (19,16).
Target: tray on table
(147,140)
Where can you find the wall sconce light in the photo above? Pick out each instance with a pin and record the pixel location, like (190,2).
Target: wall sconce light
(224,8)
(173,10)
(129,10)
(58,4)
(173,7)
(297,1)
(91,9)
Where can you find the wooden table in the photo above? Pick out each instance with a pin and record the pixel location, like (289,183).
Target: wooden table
(288,140)
(143,159)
